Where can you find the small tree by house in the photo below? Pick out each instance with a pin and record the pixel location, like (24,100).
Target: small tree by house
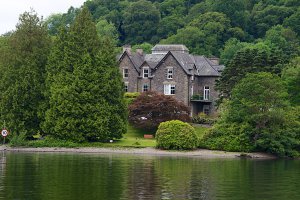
(176,134)
(258,118)
(151,108)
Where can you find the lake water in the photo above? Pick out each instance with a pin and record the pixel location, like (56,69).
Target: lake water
(56,176)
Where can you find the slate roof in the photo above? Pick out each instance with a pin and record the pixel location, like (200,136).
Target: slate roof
(169,47)
(203,66)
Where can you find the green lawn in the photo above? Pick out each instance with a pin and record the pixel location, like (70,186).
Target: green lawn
(133,138)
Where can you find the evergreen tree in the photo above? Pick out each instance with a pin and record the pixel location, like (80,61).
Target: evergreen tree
(23,75)
(86,92)
(248,60)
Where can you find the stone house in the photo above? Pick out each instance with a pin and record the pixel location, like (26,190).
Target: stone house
(171,70)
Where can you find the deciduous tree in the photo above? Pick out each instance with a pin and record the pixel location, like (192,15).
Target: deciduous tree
(151,108)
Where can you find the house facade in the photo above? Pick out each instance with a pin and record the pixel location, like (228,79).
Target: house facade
(172,70)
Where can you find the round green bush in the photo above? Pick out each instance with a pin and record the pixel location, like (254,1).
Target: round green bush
(176,134)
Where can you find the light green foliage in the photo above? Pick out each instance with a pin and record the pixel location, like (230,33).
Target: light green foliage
(284,39)
(291,77)
(130,97)
(232,46)
(17,140)
(202,118)
(145,46)
(22,75)
(106,29)
(176,134)
(86,91)
(258,117)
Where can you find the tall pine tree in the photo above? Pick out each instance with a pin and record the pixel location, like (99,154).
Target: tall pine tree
(85,88)
(23,75)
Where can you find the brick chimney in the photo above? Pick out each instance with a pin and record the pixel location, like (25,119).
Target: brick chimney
(215,60)
(139,51)
(127,48)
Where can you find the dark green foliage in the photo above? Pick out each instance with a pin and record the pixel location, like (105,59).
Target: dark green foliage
(140,22)
(291,77)
(171,21)
(23,75)
(176,134)
(248,60)
(258,117)
(149,109)
(86,91)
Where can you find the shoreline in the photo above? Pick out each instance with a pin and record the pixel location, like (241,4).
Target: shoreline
(200,153)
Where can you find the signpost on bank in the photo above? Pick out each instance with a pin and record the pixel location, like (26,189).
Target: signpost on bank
(4,133)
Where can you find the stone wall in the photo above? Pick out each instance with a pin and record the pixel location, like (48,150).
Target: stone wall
(180,79)
(132,74)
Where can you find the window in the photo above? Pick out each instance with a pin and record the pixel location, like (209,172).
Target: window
(145,72)
(206,93)
(170,73)
(169,89)
(126,86)
(125,73)
(145,88)
(206,109)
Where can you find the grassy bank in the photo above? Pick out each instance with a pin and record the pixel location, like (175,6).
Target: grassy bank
(133,138)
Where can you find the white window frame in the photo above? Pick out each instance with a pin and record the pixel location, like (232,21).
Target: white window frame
(170,72)
(146,75)
(169,89)
(147,86)
(126,86)
(206,93)
(125,74)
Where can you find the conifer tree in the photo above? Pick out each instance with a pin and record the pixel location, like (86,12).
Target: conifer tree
(23,75)
(86,93)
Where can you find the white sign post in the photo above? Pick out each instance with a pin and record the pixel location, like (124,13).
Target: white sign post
(4,133)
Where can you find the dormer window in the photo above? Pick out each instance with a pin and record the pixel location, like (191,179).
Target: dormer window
(125,73)
(146,72)
(170,73)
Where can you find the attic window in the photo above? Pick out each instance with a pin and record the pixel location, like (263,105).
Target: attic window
(170,73)
(146,72)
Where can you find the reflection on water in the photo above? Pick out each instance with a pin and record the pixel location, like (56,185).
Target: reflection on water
(88,176)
